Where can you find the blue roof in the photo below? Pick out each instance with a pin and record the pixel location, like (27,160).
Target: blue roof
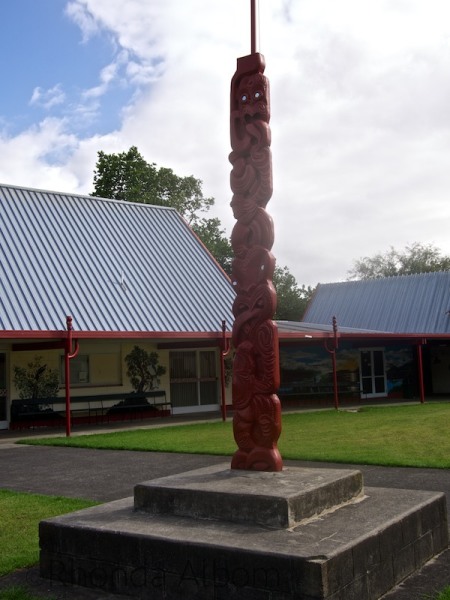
(114,266)
(406,304)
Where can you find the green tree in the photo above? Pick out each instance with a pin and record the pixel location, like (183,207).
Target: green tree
(36,380)
(128,176)
(143,369)
(212,234)
(415,258)
(292,299)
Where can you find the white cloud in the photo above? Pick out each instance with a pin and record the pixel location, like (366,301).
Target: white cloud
(48,98)
(36,157)
(79,13)
(360,117)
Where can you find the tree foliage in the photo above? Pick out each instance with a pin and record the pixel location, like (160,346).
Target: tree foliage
(292,299)
(415,258)
(36,380)
(128,176)
(212,234)
(143,369)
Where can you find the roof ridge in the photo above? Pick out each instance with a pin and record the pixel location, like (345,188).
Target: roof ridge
(85,196)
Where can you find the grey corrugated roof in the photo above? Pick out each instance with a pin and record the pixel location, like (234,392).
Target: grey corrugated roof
(316,328)
(113,266)
(407,304)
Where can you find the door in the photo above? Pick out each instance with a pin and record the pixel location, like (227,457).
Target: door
(372,373)
(3,394)
(194,385)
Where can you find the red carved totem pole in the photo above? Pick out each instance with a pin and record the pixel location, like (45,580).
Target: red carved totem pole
(257,410)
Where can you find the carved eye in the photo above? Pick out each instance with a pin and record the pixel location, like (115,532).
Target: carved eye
(244,98)
(258,95)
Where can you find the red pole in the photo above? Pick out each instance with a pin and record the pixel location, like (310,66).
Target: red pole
(253,18)
(335,381)
(68,354)
(420,367)
(67,372)
(224,350)
(333,362)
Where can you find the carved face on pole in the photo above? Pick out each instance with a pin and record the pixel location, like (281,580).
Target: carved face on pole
(257,416)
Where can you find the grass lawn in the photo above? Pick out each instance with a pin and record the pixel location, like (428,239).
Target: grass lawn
(21,593)
(416,436)
(20,543)
(402,436)
(443,595)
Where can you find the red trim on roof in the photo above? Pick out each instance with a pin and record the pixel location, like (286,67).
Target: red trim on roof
(180,335)
(321,335)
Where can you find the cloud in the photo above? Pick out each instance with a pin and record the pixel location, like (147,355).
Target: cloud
(360,117)
(48,98)
(79,13)
(40,152)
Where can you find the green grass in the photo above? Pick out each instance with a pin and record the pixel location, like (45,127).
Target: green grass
(20,593)
(415,436)
(20,543)
(401,436)
(443,595)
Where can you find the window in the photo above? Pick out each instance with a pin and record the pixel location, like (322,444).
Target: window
(79,370)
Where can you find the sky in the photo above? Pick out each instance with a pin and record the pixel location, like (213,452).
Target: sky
(360,99)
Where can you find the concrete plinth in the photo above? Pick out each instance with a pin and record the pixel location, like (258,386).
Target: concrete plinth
(181,537)
(279,500)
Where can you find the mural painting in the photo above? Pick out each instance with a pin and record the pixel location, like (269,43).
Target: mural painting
(306,372)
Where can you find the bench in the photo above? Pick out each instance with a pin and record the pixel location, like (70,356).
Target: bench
(97,409)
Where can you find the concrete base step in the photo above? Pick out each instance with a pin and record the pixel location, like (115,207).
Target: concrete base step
(357,551)
(279,500)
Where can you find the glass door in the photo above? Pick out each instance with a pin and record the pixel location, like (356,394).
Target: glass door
(372,373)
(3,394)
(194,385)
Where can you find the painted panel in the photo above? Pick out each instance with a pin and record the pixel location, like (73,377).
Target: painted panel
(440,369)
(3,394)
(307,371)
(401,372)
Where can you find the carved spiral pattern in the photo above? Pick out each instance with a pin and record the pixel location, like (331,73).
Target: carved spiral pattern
(257,411)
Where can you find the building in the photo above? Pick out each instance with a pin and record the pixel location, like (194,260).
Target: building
(127,274)
(392,341)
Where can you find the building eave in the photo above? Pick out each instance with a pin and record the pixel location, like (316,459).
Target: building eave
(95,335)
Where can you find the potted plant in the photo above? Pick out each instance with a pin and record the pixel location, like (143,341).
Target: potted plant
(34,382)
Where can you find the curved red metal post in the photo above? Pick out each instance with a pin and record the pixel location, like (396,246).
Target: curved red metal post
(420,369)
(333,361)
(68,354)
(257,409)
(224,351)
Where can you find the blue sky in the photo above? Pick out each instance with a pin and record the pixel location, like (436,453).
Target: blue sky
(51,67)
(360,110)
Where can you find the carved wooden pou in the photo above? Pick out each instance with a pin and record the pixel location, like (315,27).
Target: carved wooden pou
(257,411)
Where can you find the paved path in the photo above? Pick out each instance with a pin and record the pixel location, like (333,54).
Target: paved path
(105,475)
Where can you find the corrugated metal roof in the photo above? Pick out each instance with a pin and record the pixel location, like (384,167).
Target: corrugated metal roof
(316,328)
(406,304)
(113,266)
